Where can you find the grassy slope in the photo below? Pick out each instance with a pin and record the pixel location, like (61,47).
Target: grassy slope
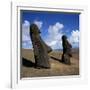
(57,68)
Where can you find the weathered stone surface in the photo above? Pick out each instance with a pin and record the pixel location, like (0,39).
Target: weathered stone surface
(66,50)
(41,50)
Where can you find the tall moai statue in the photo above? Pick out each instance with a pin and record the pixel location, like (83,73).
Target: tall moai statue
(41,49)
(66,50)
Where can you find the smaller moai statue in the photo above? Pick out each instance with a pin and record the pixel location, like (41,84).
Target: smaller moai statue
(66,50)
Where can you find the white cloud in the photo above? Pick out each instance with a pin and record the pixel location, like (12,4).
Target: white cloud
(74,38)
(52,43)
(38,23)
(26,23)
(54,35)
(25,27)
(54,29)
(26,41)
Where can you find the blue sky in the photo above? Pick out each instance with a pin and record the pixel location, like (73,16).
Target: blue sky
(52,25)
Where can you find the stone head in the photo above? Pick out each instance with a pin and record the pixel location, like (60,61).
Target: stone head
(64,37)
(34,29)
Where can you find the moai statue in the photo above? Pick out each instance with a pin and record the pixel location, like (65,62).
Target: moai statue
(66,50)
(41,50)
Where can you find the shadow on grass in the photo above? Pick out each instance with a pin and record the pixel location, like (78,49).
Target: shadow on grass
(59,60)
(27,63)
(54,58)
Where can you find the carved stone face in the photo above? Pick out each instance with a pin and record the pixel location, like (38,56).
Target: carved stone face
(34,29)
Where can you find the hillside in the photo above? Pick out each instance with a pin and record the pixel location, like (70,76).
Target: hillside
(57,68)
